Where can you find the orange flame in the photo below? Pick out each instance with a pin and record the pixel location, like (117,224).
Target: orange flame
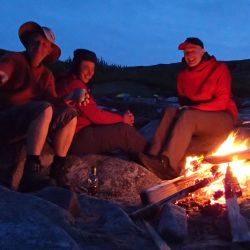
(240,169)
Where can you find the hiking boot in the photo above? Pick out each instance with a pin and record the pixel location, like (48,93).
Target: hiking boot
(59,172)
(158,165)
(32,179)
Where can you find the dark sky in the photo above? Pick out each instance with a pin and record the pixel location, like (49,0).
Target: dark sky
(134,32)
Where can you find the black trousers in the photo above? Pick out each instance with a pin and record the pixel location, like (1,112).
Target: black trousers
(15,121)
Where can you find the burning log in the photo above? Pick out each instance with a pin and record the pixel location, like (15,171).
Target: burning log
(167,188)
(218,159)
(239,228)
(153,208)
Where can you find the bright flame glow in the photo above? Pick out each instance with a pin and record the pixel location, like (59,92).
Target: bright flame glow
(240,169)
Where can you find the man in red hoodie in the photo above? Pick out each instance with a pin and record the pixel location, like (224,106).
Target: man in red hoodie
(97,130)
(206,110)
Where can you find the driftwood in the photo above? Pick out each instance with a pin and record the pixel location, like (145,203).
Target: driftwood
(239,228)
(218,159)
(153,208)
(167,188)
(159,242)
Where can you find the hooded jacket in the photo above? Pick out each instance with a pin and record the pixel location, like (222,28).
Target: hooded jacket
(25,82)
(207,87)
(89,114)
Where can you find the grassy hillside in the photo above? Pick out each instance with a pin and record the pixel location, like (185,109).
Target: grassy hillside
(160,77)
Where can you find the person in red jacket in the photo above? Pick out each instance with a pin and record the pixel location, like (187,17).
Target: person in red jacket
(97,130)
(206,110)
(30,107)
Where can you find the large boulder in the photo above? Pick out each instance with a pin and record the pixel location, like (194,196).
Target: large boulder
(119,180)
(29,222)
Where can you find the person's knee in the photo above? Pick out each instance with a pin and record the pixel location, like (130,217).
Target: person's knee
(48,113)
(73,122)
(188,116)
(170,111)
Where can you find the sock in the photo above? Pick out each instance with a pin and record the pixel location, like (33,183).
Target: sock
(59,160)
(33,158)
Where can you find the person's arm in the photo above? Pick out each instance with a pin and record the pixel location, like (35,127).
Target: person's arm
(7,67)
(99,116)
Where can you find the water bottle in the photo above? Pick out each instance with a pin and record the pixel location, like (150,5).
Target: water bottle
(92,184)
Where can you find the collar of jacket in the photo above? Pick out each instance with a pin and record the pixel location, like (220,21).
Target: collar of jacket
(205,58)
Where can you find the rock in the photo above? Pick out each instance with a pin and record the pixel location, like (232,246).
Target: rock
(62,197)
(173,222)
(119,180)
(111,226)
(29,222)
(12,158)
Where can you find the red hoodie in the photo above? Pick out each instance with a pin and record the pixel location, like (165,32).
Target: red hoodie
(207,87)
(89,114)
(25,82)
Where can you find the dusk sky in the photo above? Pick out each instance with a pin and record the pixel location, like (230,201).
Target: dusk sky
(134,32)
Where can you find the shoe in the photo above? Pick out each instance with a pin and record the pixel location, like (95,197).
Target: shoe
(59,173)
(32,179)
(158,165)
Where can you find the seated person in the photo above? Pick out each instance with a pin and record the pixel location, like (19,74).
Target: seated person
(30,107)
(206,110)
(97,130)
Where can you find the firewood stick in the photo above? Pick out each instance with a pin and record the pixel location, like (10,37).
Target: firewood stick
(159,242)
(218,159)
(239,228)
(153,208)
(167,188)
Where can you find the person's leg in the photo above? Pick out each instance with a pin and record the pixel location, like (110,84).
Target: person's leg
(162,131)
(189,123)
(19,121)
(37,132)
(32,120)
(198,123)
(63,127)
(106,138)
(63,138)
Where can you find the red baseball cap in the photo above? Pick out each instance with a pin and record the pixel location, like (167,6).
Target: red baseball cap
(191,40)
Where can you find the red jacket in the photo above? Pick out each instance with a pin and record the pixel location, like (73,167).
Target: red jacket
(89,114)
(25,83)
(207,87)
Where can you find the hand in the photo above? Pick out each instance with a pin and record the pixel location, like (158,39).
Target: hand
(128,118)
(77,97)
(3,78)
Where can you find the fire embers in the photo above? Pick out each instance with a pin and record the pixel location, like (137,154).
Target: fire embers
(230,168)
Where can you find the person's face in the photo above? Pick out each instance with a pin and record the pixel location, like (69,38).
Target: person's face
(38,48)
(193,54)
(86,71)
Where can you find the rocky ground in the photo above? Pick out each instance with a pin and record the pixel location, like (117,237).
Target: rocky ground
(56,218)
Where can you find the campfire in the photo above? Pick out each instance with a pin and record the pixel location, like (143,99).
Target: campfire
(211,183)
(236,155)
